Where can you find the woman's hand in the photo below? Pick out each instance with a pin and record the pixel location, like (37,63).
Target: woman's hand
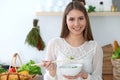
(83,75)
(72,77)
(49,66)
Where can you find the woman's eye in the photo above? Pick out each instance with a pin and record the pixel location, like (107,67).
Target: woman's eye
(71,19)
(81,18)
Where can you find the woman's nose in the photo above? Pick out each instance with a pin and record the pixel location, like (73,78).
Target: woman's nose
(77,22)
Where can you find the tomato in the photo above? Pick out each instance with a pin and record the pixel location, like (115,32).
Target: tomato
(12,70)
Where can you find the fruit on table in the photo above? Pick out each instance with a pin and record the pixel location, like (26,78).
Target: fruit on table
(12,70)
(115,45)
(24,72)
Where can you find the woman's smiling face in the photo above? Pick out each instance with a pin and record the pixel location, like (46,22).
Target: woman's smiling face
(76,22)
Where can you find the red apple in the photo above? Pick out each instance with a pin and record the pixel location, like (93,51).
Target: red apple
(12,70)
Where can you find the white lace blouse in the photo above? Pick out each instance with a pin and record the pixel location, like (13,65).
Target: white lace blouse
(90,54)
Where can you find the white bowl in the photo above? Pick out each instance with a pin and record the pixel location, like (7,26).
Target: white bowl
(71,69)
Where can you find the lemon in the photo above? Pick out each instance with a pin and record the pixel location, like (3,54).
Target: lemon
(24,72)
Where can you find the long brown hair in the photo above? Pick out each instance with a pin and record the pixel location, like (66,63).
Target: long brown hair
(87,33)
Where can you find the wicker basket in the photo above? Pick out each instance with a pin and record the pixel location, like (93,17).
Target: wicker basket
(15,76)
(116,69)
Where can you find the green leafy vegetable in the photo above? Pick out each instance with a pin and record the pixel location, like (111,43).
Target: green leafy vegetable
(33,38)
(71,58)
(32,69)
(116,54)
(74,67)
(2,69)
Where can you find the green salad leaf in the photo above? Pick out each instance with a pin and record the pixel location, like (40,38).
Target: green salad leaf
(116,54)
(72,58)
(2,69)
(32,69)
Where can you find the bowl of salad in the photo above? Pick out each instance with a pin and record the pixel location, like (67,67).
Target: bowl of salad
(71,69)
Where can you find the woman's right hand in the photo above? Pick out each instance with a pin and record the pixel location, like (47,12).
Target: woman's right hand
(49,66)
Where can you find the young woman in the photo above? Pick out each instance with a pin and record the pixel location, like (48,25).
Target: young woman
(76,41)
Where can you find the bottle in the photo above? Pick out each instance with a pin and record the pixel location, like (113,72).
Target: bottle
(101,6)
(113,8)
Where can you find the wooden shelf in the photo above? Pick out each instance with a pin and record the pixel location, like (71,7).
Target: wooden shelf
(104,14)
(90,14)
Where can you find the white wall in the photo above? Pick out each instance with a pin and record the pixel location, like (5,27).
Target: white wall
(106,29)
(16,20)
